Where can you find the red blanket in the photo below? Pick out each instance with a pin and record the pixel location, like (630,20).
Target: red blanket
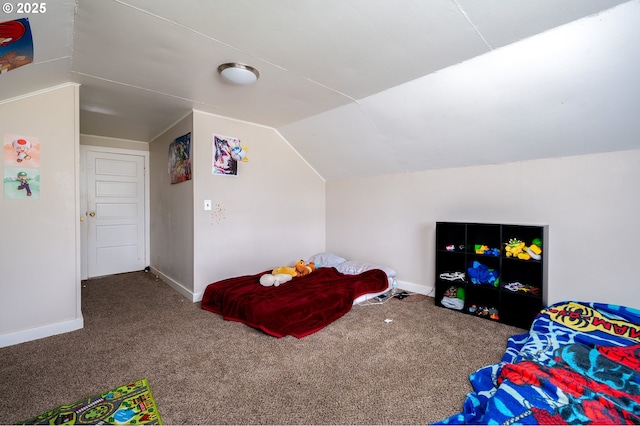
(299,307)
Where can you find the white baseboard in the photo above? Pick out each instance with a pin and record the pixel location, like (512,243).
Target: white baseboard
(23,336)
(416,288)
(186,293)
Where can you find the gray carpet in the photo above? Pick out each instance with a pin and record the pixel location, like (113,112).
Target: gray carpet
(204,370)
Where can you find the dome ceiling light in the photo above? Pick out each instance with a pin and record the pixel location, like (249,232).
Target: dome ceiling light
(239,74)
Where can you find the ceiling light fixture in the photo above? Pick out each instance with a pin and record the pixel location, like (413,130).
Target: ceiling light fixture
(240,74)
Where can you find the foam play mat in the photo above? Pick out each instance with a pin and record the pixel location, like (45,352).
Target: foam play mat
(132,403)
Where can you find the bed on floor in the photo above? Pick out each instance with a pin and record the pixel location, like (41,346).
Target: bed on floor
(578,364)
(304,305)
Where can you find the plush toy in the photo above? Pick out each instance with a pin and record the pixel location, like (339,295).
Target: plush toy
(275,280)
(482,274)
(285,270)
(303,269)
(239,153)
(278,276)
(282,274)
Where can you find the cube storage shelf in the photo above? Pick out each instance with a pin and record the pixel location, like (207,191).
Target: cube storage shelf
(474,274)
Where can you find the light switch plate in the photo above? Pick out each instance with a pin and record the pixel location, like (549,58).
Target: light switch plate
(207,204)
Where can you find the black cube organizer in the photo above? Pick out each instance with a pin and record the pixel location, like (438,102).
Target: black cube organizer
(493,271)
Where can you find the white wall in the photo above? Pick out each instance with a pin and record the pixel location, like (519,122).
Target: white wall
(39,250)
(590,202)
(271,214)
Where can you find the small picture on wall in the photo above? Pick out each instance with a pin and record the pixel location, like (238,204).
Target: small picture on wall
(21,167)
(180,159)
(21,151)
(21,183)
(223,163)
(16,44)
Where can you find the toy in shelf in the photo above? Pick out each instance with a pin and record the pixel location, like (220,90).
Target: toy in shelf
(453,298)
(518,287)
(482,274)
(452,276)
(517,248)
(484,311)
(485,250)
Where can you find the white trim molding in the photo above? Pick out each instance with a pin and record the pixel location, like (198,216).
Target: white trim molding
(416,288)
(187,294)
(23,336)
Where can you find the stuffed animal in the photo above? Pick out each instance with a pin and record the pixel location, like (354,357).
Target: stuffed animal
(285,270)
(239,153)
(282,274)
(303,269)
(275,280)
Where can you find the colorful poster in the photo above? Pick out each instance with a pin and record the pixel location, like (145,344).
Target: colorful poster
(180,159)
(16,44)
(21,167)
(223,163)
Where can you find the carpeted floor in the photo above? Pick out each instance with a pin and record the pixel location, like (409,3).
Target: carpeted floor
(204,370)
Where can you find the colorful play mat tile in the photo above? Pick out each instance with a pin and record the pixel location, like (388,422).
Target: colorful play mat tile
(132,403)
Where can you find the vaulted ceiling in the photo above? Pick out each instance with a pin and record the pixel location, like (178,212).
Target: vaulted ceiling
(358,87)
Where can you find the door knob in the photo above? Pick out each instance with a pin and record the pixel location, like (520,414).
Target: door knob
(92,214)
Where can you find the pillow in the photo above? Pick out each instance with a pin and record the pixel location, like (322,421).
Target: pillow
(327,260)
(353,267)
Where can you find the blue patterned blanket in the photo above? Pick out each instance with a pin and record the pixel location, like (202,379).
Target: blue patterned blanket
(578,364)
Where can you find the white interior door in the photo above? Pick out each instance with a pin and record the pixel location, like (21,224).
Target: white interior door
(115,213)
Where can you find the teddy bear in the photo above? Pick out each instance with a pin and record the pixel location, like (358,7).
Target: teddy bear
(303,268)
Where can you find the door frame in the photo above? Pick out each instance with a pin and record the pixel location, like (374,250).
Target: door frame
(84,273)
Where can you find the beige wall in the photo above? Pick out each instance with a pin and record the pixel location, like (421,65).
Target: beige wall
(39,250)
(271,214)
(171,213)
(590,203)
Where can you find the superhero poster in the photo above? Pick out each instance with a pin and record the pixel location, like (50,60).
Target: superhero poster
(16,44)
(21,167)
